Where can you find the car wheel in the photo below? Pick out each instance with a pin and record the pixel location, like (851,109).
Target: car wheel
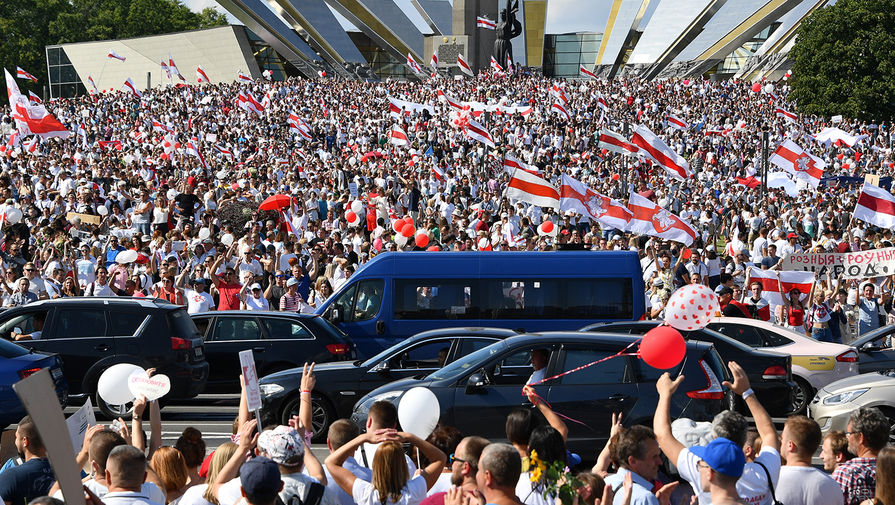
(801,396)
(111,411)
(322,415)
(889,412)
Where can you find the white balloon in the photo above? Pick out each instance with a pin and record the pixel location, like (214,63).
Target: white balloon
(769,88)
(102,210)
(357,206)
(112,384)
(483,243)
(13,215)
(204,233)
(126,256)
(171,193)
(418,412)
(401,240)
(227,239)
(691,307)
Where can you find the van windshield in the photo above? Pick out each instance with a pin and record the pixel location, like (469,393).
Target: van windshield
(470,361)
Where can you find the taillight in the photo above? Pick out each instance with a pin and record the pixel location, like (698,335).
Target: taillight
(28,372)
(181,343)
(774,372)
(849,356)
(337,348)
(713,391)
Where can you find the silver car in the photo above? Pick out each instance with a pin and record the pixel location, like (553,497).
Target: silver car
(835,402)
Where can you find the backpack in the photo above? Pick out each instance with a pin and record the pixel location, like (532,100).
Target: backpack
(315,496)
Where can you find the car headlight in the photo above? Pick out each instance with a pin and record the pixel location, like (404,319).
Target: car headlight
(270,389)
(365,405)
(844,397)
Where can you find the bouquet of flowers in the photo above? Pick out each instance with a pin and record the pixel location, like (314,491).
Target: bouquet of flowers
(555,479)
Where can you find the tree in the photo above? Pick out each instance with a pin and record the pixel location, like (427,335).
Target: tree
(843,62)
(27,26)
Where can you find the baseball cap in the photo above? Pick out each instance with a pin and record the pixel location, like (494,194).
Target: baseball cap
(291,282)
(255,286)
(724,456)
(260,475)
(791,235)
(283,445)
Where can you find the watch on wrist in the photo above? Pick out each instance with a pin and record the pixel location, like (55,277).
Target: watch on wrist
(747,393)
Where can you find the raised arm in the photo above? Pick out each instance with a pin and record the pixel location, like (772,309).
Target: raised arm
(344,478)
(247,441)
(662,418)
(763,422)
(552,419)
(213,273)
(308,381)
(433,454)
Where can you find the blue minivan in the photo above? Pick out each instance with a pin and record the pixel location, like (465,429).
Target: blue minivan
(399,294)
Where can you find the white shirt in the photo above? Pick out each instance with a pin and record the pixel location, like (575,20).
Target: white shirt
(412,494)
(259,303)
(149,489)
(537,376)
(351,465)
(195,495)
(806,485)
(527,494)
(752,486)
(129,498)
(197,302)
(300,484)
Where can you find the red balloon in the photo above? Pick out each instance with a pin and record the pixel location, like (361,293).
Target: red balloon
(756,87)
(547,226)
(422,240)
(408,230)
(615,177)
(840,156)
(433,248)
(350,216)
(663,347)
(399,226)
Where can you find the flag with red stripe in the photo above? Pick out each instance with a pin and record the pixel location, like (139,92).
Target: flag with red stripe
(93,89)
(789,116)
(559,109)
(574,195)
(201,76)
(616,143)
(464,66)
(525,186)
(417,69)
(483,22)
(22,74)
(34,99)
(129,86)
(113,54)
(476,131)
(242,77)
(653,148)
(398,136)
(789,279)
(677,123)
(587,72)
(434,60)
(649,219)
(875,206)
(511,164)
(798,162)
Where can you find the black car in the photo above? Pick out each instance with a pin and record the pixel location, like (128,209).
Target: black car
(339,385)
(478,391)
(769,372)
(91,334)
(875,352)
(278,340)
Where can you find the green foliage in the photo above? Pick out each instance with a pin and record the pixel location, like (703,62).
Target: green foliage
(26,26)
(843,61)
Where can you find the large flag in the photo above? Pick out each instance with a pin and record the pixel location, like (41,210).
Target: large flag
(417,69)
(93,89)
(576,196)
(476,131)
(495,65)
(34,99)
(113,54)
(32,119)
(876,206)
(789,279)
(21,74)
(397,107)
(398,136)
(464,66)
(246,101)
(511,164)
(677,123)
(652,147)
(650,219)
(561,110)
(616,143)
(832,134)
(587,72)
(483,22)
(201,76)
(130,86)
(525,186)
(173,68)
(434,60)
(192,148)
(800,163)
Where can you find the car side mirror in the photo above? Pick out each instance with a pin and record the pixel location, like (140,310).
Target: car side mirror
(335,316)
(475,383)
(382,367)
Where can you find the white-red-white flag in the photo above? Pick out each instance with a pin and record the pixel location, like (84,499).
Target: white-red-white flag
(587,72)
(241,77)
(34,99)
(789,116)
(161,127)
(32,119)
(574,195)
(22,74)
(397,136)
(647,218)
(601,102)
(450,101)
(201,76)
(616,143)
(417,69)
(93,89)
(476,131)
(246,101)
(166,69)
(495,65)
(511,164)
(113,54)
(130,86)
(798,162)
(677,123)
(464,66)
(483,22)
(434,60)
(525,186)
(789,279)
(192,148)
(876,206)
(438,172)
(832,134)
(653,148)
(6,149)
(561,110)
(30,146)
(174,69)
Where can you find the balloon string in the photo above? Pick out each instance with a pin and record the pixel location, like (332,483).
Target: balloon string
(582,367)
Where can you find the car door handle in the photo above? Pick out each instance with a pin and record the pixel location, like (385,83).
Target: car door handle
(617,397)
(102,347)
(258,349)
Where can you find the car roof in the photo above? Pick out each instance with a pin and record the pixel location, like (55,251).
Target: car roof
(483,331)
(797,338)
(270,313)
(586,337)
(106,300)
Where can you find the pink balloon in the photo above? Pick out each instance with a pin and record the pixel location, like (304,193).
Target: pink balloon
(691,307)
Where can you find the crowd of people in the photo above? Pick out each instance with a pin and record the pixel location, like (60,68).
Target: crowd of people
(383,465)
(177,176)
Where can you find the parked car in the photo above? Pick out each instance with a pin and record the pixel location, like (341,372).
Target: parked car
(875,351)
(835,402)
(814,364)
(770,372)
(278,340)
(340,384)
(91,334)
(478,391)
(17,363)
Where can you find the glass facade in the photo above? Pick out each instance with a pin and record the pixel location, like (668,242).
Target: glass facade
(64,81)
(565,53)
(735,60)
(380,61)
(268,59)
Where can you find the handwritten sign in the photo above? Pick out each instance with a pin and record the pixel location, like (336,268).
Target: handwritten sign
(850,265)
(253,392)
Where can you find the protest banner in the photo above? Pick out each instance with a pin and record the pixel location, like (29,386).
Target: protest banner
(851,265)
(250,378)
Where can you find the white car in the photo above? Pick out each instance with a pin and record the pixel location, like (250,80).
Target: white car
(814,364)
(835,402)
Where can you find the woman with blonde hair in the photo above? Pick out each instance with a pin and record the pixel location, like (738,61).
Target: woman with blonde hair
(201,494)
(169,465)
(885,479)
(391,483)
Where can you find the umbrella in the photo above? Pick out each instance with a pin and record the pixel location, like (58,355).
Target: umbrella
(276,202)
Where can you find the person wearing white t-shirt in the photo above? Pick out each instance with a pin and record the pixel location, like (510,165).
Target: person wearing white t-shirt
(752,486)
(801,483)
(197,299)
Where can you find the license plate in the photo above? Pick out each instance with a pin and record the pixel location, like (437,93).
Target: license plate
(199,352)
(56,373)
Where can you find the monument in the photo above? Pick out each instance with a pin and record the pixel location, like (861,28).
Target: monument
(508,28)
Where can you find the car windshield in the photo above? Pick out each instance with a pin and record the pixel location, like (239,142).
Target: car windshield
(462,365)
(872,336)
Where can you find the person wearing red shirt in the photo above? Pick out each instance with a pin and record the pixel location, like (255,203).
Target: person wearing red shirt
(729,306)
(228,288)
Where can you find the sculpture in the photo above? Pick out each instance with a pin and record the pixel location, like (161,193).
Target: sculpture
(508,27)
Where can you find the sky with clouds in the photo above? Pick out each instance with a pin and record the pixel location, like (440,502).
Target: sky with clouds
(562,15)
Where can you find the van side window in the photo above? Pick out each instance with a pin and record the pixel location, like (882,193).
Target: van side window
(435,299)
(369,299)
(557,298)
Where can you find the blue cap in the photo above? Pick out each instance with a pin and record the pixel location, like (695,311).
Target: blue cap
(724,456)
(260,475)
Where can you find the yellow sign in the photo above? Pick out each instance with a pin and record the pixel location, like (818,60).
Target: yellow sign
(814,362)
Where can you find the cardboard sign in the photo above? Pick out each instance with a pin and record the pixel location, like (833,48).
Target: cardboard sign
(352,188)
(211,137)
(78,423)
(39,398)
(850,265)
(253,392)
(85,218)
